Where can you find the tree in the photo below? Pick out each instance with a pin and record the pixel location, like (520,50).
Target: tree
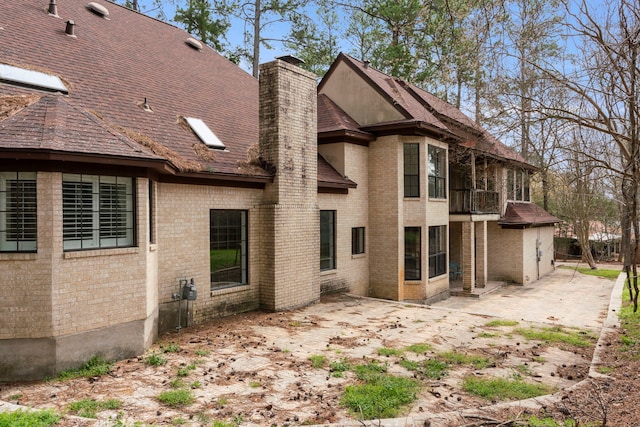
(198,20)
(315,42)
(258,16)
(604,79)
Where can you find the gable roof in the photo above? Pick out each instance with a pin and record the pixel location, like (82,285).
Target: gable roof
(334,124)
(113,65)
(425,113)
(526,214)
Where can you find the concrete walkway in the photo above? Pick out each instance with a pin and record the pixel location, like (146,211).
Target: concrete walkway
(564,297)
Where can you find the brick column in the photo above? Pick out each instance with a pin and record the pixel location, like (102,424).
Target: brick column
(468,257)
(481,253)
(290,219)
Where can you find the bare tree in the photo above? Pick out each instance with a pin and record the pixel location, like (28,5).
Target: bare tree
(604,78)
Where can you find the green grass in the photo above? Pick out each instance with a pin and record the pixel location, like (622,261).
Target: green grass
(435,369)
(605,273)
(456,358)
(630,323)
(170,348)
(501,322)
(317,360)
(224,258)
(44,418)
(89,408)
(558,334)
(176,398)
(503,389)
(202,352)
(419,348)
(370,371)
(338,367)
(409,365)
(486,335)
(386,351)
(185,370)
(534,421)
(155,359)
(94,367)
(382,396)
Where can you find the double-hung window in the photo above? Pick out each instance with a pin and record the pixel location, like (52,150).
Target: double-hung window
(18,212)
(97,211)
(228,246)
(412,253)
(437,172)
(437,250)
(411,170)
(327,240)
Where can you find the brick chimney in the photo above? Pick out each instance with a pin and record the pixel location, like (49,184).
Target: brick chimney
(290,218)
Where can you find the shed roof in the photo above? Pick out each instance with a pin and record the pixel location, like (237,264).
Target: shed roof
(526,214)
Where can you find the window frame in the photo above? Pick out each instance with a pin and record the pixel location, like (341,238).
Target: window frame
(240,243)
(412,253)
(358,240)
(437,166)
(92,214)
(18,211)
(411,169)
(328,230)
(437,250)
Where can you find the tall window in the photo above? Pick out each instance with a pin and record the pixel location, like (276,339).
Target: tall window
(411,170)
(357,240)
(437,250)
(412,258)
(228,248)
(327,240)
(437,173)
(18,212)
(511,191)
(97,211)
(518,185)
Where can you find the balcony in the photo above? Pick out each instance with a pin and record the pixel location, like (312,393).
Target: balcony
(474,202)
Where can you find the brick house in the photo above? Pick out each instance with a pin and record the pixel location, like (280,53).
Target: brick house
(134,162)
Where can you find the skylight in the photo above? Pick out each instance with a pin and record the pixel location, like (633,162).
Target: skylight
(29,78)
(204,133)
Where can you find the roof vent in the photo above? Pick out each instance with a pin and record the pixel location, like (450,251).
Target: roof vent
(53,8)
(145,106)
(291,60)
(98,9)
(70,30)
(194,43)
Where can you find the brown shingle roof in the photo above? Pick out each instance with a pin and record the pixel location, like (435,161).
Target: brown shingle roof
(52,124)
(419,106)
(114,64)
(525,214)
(335,124)
(328,177)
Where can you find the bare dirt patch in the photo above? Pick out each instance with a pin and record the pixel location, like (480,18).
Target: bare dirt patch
(254,368)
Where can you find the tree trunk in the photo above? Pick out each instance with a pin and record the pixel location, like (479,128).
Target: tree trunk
(256,40)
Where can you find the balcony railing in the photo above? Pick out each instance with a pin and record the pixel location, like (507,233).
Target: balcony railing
(474,201)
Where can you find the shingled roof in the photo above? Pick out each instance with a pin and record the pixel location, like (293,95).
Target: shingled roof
(525,214)
(424,112)
(112,66)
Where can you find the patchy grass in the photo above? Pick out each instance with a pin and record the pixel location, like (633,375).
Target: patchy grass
(501,322)
(386,351)
(318,361)
(557,334)
(435,369)
(201,352)
(370,371)
(630,322)
(503,389)
(89,408)
(170,348)
(44,418)
(338,367)
(380,396)
(185,370)
(457,358)
(155,359)
(176,398)
(486,335)
(419,348)
(94,367)
(599,272)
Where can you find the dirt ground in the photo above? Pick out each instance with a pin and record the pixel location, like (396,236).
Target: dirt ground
(254,369)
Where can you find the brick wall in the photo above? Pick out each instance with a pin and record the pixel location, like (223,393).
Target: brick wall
(289,273)
(505,249)
(352,271)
